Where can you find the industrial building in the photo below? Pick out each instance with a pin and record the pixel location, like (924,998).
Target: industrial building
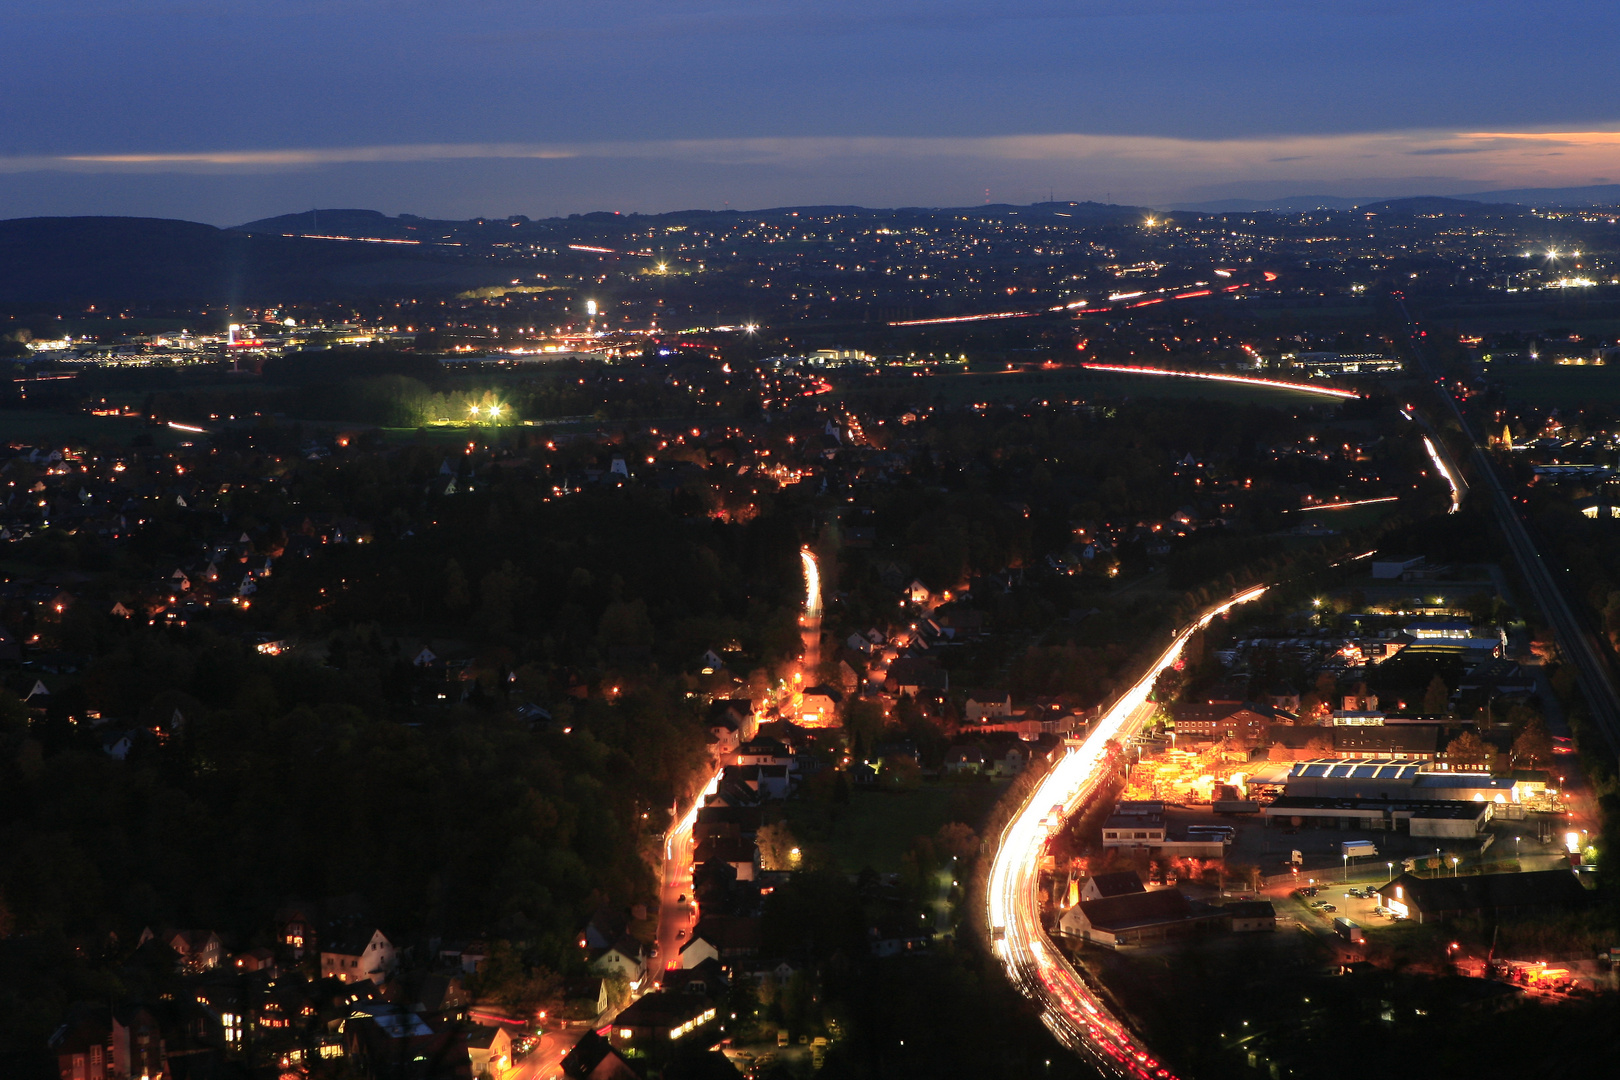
(1420,817)
(1492,895)
(1142,826)
(1404,778)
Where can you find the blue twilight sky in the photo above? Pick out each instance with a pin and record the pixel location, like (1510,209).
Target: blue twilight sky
(225,110)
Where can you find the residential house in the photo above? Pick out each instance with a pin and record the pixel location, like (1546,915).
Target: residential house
(354,955)
(762,750)
(383,1040)
(1134,919)
(1103,886)
(965,759)
(656,1020)
(83,1046)
(917,676)
(726,938)
(707,978)
(738,852)
(197,950)
(295,929)
(594,1058)
(585,998)
(469,956)
(606,927)
(489,1051)
(1283,697)
(260,959)
(625,958)
(820,704)
(977,710)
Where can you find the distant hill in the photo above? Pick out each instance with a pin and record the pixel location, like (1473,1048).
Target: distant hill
(105,260)
(369,224)
(1437,204)
(1594,195)
(1591,195)
(1294,204)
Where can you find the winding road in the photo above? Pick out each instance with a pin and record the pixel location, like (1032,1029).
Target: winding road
(1070,1007)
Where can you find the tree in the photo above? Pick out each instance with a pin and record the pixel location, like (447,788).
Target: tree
(1533,745)
(455,587)
(778,848)
(863,725)
(1467,749)
(900,773)
(1167,685)
(957,840)
(1436,696)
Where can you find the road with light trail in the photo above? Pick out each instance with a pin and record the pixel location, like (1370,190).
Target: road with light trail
(1072,1008)
(1594,672)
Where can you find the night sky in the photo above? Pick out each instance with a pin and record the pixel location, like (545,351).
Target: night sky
(227,110)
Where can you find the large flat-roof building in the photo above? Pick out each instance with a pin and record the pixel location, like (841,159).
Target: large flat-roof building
(1405,778)
(1420,817)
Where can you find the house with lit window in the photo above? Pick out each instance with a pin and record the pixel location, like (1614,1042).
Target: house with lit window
(657,1020)
(356,955)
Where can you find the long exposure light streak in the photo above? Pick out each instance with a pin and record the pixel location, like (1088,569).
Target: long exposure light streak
(1445,471)
(1347,505)
(1071,1009)
(1155,296)
(1211,376)
(966,318)
(812,585)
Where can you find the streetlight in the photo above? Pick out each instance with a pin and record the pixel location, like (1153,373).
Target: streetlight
(1454,862)
(1346,857)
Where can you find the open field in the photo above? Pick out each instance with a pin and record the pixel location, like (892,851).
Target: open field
(1551,385)
(47,425)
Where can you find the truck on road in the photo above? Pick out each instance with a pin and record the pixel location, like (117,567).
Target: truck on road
(1349,931)
(1356,849)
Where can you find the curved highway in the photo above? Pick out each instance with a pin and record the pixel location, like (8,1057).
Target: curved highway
(1071,1007)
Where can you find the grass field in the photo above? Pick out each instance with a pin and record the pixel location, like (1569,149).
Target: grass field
(1068,383)
(877,828)
(1559,387)
(45,426)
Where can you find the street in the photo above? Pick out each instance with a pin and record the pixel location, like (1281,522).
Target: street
(677,912)
(1072,1010)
